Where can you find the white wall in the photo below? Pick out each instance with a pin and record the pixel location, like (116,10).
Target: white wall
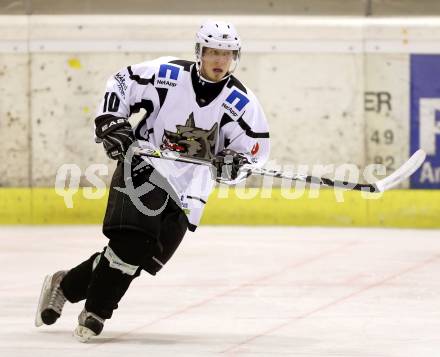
(311,75)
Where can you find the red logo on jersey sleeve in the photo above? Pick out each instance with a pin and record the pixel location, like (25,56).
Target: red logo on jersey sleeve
(255,149)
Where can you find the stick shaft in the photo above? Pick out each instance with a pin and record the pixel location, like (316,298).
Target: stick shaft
(322,181)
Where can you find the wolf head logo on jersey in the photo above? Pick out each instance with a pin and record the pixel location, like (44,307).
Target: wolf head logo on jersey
(190,140)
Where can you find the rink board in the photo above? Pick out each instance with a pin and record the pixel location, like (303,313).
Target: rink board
(397,208)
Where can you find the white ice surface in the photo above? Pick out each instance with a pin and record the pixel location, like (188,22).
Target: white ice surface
(312,292)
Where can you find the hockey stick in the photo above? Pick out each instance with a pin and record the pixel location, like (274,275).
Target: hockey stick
(402,173)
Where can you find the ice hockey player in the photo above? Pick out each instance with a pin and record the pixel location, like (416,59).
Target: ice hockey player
(196,109)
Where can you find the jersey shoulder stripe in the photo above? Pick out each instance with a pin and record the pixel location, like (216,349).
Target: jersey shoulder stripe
(234,82)
(145,73)
(183,63)
(138,79)
(249,131)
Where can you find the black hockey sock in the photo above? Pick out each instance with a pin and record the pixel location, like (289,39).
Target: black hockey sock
(107,287)
(76,282)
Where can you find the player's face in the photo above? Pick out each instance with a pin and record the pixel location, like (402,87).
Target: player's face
(216,63)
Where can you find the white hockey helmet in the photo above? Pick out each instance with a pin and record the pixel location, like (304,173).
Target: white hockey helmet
(221,35)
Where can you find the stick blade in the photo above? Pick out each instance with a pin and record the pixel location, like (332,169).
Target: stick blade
(403,172)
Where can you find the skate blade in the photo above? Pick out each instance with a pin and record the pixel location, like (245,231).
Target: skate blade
(43,296)
(83,334)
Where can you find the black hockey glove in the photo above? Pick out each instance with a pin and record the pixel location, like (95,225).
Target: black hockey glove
(116,135)
(228,163)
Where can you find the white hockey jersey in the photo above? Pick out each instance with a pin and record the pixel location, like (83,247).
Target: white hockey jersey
(175,121)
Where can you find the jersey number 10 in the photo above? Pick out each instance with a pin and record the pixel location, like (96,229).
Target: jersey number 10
(111,104)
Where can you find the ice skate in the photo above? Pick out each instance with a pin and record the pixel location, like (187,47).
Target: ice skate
(89,325)
(51,301)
